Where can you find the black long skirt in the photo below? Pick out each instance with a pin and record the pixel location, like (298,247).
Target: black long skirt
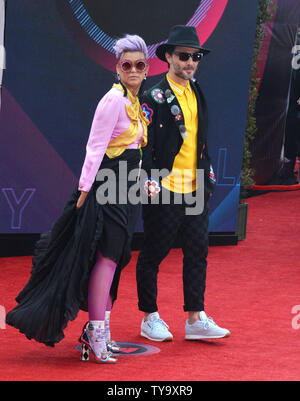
(64,257)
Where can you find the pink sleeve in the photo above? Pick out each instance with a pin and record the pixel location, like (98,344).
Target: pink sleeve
(105,119)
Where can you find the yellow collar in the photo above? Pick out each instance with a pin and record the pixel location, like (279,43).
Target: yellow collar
(130,96)
(177,87)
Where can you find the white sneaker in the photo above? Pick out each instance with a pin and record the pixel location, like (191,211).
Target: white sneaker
(155,329)
(205,328)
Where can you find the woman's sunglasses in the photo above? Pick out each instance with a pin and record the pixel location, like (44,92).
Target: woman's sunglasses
(186,56)
(127,65)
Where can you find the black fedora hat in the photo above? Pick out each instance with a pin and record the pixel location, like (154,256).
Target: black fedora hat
(181,35)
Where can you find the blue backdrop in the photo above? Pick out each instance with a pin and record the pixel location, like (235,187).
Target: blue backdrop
(56,72)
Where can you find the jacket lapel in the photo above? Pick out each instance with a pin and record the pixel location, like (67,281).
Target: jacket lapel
(173,105)
(199,104)
(201,141)
(171,101)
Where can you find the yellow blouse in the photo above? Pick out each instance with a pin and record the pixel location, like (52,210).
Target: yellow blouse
(134,111)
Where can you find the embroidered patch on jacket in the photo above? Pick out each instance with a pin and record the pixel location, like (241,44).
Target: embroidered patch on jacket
(158,95)
(148,113)
(179,116)
(177,112)
(212,174)
(171,98)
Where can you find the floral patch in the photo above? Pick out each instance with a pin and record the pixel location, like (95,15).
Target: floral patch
(158,95)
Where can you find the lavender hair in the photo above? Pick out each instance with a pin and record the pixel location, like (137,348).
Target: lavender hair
(130,43)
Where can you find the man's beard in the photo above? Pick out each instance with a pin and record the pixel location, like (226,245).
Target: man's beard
(183,74)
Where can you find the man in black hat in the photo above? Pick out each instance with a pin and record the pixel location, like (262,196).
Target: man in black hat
(177,148)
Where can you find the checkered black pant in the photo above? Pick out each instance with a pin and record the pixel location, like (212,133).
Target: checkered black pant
(162,225)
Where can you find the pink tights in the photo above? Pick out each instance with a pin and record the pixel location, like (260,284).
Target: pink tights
(99,299)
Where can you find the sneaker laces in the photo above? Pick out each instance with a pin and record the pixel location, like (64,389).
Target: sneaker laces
(207,321)
(160,321)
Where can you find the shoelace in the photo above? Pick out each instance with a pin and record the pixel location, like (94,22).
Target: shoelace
(160,321)
(207,321)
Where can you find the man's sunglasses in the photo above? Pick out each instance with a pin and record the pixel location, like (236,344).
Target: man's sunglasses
(186,56)
(127,65)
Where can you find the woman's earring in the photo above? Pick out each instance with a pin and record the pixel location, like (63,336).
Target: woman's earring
(118,77)
(145,77)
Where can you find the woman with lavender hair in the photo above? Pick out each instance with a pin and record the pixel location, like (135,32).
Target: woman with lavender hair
(77,264)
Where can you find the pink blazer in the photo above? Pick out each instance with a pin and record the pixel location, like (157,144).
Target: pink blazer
(110,120)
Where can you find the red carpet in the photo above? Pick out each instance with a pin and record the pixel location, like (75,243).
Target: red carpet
(295,187)
(251,290)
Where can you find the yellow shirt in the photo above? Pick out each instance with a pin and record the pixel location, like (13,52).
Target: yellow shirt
(182,178)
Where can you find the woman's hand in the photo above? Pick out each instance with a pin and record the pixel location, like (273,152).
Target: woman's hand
(81,199)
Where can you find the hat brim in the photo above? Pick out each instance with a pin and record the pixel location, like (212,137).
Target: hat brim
(161,50)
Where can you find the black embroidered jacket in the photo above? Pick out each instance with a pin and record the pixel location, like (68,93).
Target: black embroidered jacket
(167,129)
